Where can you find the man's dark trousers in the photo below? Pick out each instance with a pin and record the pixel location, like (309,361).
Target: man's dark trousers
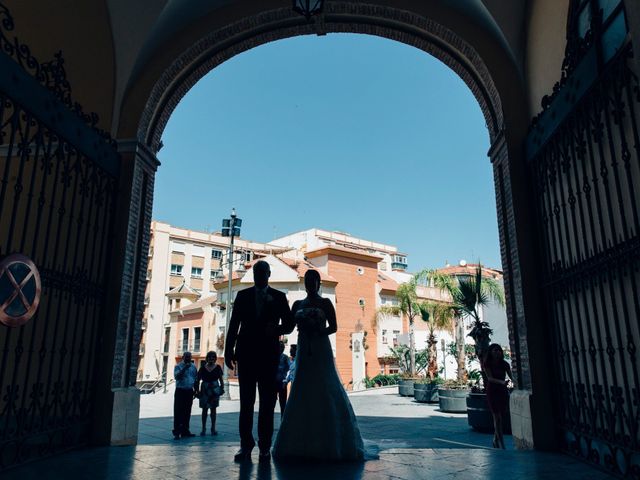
(263,373)
(182,402)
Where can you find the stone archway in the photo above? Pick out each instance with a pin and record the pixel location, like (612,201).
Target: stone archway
(136,61)
(496,85)
(344,17)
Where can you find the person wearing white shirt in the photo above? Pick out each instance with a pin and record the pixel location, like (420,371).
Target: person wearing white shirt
(185,374)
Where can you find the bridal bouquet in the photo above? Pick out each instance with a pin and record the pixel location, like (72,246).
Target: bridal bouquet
(311,320)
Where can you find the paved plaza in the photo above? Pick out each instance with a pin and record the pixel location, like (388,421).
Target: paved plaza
(412,440)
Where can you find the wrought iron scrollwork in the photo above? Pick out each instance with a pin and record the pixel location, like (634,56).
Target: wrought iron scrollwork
(52,74)
(57,201)
(586,182)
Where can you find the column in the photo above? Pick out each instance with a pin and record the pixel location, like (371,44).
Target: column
(531,418)
(117,399)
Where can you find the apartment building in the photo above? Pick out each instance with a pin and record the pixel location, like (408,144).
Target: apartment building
(392,262)
(187,289)
(183,267)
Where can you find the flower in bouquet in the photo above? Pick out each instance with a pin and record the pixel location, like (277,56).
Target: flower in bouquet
(311,320)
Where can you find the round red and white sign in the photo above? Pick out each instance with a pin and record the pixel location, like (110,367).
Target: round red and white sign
(19,290)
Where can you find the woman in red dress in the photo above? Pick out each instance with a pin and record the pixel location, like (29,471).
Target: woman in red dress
(496,369)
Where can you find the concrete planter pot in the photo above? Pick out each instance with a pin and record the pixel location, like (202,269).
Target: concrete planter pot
(425,392)
(453,400)
(479,416)
(405,388)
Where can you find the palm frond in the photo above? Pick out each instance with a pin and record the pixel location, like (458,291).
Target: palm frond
(392,310)
(430,277)
(493,289)
(425,313)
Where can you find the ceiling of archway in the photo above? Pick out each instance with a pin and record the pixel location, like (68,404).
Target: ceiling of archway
(117,50)
(340,16)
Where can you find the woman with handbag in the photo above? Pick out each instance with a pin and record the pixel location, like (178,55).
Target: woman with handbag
(209,387)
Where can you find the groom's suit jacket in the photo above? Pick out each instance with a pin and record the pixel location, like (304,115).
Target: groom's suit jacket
(248,334)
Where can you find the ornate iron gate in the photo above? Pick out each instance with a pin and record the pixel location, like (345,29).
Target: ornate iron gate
(57,188)
(584,162)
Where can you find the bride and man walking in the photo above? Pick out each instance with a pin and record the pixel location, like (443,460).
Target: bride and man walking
(318,421)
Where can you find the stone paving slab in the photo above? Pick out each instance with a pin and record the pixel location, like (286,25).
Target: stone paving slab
(414,441)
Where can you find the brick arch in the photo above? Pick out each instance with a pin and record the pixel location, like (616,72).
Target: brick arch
(339,17)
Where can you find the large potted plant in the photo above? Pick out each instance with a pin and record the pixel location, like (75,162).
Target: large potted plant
(469,295)
(479,415)
(452,396)
(425,390)
(438,317)
(406,379)
(410,362)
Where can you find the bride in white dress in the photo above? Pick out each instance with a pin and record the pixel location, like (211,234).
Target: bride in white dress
(318,421)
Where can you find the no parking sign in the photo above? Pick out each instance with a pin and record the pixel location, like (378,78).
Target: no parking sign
(19,290)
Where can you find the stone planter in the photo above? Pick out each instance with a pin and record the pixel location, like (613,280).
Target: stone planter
(453,400)
(479,416)
(405,388)
(425,392)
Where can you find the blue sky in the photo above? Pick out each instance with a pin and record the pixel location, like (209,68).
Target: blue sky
(342,132)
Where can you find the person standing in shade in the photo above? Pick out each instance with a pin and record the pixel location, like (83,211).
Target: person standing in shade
(209,387)
(497,371)
(292,365)
(185,374)
(260,316)
(281,378)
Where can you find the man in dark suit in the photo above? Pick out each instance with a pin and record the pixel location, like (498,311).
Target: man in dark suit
(262,315)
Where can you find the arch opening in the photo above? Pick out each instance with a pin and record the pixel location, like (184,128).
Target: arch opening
(344,17)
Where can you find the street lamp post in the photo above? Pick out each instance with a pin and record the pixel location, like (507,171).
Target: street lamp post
(444,357)
(230,228)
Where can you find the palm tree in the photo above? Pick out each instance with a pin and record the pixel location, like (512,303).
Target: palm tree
(439,316)
(468,294)
(471,293)
(408,306)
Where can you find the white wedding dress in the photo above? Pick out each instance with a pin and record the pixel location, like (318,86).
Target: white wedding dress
(318,421)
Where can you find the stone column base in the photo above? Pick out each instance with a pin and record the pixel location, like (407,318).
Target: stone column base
(521,425)
(125,416)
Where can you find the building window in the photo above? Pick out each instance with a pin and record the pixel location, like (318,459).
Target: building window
(216,254)
(246,257)
(167,334)
(196,339)
(184,343)
(395,337)
(196,272)
(176,269)
(215,274)
(384,337)
(177,303)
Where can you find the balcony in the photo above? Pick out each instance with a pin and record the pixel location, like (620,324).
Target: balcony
(398,266)
(195,346)
(182,347)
